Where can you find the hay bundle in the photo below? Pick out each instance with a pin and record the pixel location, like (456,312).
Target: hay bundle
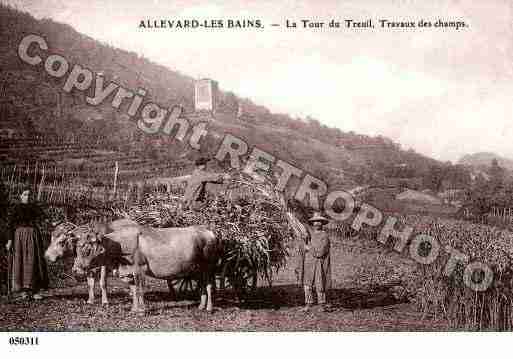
(250,218)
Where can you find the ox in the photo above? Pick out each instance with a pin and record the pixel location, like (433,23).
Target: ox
(65,237)
(163,253)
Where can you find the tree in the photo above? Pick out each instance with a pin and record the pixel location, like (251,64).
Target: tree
(458,175)
(435,177)
(496,173)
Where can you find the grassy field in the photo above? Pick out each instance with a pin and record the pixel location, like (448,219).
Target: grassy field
(359,304)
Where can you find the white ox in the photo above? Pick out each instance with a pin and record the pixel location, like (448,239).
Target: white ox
(164,253)
(63,244)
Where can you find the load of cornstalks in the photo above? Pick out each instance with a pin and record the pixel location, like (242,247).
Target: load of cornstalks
(447,296)
(250,218)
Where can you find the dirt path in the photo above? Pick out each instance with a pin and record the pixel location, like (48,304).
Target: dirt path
(269,309)
(276,309)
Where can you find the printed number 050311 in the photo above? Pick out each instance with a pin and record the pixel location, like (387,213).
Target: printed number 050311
(23,340)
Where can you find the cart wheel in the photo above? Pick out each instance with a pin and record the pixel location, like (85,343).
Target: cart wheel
(187,287)
(243,281)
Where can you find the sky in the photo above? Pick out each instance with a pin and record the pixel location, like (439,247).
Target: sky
(443,92)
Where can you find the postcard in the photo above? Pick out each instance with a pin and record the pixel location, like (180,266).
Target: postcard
(254,166)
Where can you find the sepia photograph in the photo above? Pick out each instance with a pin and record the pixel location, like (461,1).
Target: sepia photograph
(255,166)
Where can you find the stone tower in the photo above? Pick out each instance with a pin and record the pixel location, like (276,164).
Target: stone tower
(205,95)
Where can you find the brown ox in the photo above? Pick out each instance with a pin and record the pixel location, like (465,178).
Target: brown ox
(164,253)
(63,244)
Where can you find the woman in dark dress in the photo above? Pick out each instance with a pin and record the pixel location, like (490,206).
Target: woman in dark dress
(4,207)
(29,272)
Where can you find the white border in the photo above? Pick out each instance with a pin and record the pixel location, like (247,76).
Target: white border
(258,345)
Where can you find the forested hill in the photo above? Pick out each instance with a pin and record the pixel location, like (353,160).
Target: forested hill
(34,102)
(484,159)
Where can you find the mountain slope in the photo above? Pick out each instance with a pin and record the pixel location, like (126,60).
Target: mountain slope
(34,101)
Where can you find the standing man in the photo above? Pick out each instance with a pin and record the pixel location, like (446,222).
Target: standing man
(315,262)
(29,272)
(196,191)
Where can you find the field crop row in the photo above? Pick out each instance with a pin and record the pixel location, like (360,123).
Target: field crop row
(444,294)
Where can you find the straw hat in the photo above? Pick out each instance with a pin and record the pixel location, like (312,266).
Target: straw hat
(317,217)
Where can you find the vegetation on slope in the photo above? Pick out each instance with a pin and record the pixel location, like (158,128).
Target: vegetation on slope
(35,102)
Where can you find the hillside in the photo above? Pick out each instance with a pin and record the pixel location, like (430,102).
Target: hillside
(484,159)
(33,103)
